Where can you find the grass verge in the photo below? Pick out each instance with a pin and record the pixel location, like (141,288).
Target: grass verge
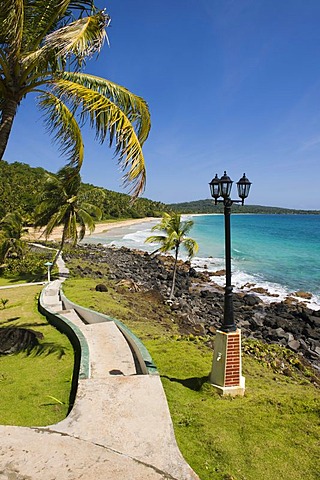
(35,388)
(272,432)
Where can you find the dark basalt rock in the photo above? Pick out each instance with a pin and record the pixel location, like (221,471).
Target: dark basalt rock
(199,301)
(251,300)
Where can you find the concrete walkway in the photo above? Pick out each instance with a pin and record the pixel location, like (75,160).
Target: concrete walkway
(119,428)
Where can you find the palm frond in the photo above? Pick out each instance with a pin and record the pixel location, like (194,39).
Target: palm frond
(82,5)
(40,18)
(81,38)
(79,9)
(85,220)
(53,188)
(163,223)
(4,66)
(11,21)
(93,210)
(108,119)
(12,225)
(156,239)
(55,220)
(191,246)
(166,243)
(38,62)
(61,123)
(73,230)
(186,226)
(135,107)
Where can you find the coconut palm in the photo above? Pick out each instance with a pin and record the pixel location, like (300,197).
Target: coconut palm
(43,47)
(11,230)
(173,237)
(60,205)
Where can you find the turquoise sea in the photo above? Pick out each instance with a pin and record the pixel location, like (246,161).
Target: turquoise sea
(280,253)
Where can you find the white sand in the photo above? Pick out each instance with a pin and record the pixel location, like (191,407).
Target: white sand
(37,234)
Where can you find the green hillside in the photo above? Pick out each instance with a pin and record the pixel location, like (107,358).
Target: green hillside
(207,206)
(21,184)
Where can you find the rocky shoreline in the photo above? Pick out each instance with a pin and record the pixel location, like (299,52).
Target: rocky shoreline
(198,302)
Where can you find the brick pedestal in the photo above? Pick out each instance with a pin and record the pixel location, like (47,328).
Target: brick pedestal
(226,374)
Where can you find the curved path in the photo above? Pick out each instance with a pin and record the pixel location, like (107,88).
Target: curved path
(119,428)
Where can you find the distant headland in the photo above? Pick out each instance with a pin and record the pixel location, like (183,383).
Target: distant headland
(207,206)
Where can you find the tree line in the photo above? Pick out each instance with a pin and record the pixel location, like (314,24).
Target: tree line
(22,186)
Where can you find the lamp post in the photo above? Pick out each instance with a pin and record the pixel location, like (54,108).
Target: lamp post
(49,265)
(224,375)
(221,187)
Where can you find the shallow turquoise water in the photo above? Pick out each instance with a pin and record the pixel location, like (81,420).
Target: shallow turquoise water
(283,249)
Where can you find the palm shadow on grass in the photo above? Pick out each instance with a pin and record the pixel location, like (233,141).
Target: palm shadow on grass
(17,339)
(26,278)
(193,383)
(33,325)
(47,348)
(9,320)
(23,325)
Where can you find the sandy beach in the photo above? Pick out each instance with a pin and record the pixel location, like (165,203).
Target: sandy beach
(37,234)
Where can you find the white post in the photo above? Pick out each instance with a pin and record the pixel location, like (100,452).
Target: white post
(49,265)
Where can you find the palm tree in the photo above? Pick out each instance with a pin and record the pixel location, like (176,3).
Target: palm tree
(11,229)
(60,205)
(43,46)
(173,236)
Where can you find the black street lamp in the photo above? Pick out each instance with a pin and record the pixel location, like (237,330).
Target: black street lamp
(221,187)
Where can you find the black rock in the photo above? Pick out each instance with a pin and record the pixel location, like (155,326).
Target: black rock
(251,300)
(193,273)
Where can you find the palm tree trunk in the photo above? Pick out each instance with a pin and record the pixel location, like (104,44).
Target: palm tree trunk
(60,248)
(174,272)
(8,113)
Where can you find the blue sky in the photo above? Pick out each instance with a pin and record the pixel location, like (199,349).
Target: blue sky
(231,84)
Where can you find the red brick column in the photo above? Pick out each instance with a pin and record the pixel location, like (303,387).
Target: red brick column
(233,360)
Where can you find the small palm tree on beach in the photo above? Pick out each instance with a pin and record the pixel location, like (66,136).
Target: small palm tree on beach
(174,237)
(60,205)
(43,48)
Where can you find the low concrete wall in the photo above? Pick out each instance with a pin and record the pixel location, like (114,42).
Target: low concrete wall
(81,369)
(139,351)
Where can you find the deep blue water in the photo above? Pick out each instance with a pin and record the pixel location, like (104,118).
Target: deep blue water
(277,252)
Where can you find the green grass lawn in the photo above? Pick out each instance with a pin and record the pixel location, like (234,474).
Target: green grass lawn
(271,433)
(35,388)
